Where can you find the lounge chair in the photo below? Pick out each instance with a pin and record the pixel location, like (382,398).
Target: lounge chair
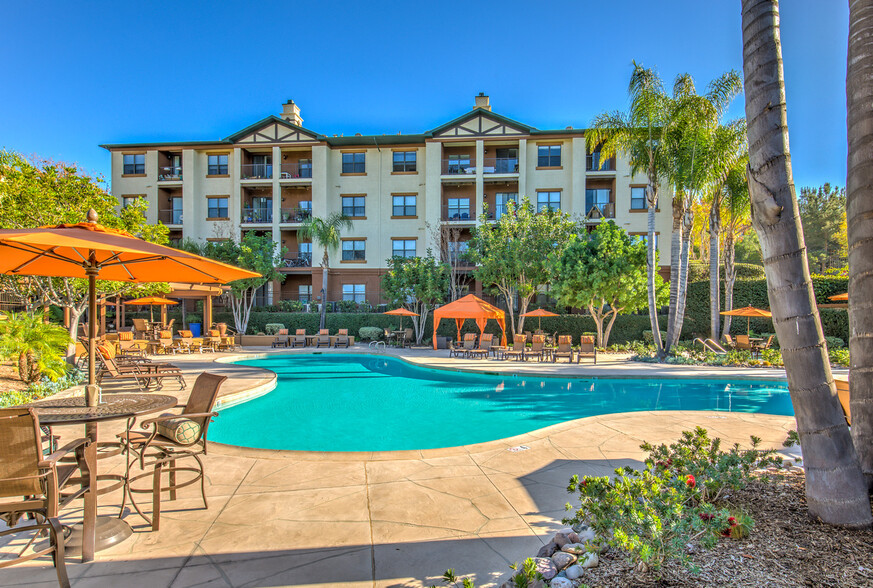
(743,343)
(140,328)
(169,326)
(518,350)
(342,338)
(164,343)
(299,339)
(282,339)
(461,350)
(485,342)
(145,375)
(587,349)
(323,338)
(211,340)
(172,437)
(187,343)
(565,349)
(759,347)
(33,486)
(729,340)
(129,346)
(536,350)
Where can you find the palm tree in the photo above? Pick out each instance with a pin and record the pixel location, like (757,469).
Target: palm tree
(737,220)
(38,347)
(836,490)
(859,217)
(637,133)
(326,233)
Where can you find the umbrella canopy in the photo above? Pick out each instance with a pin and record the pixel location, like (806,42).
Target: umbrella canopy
(840,297)
(401,312)
(89,250)
(469,307)
(749,312)
(151,301)
(539,313)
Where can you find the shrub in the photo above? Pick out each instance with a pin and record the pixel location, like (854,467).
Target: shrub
(192,318)
(37,347)
(41,389)
(273,328)
(289,306)
(648,337)
(370,333)
(347,306)
(839,356)
(834,342)
(772,356)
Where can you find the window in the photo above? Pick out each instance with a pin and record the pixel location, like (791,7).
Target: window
(458,164)
(644,237)
(354,163)
(355,293)
(354,250)
(596,198)
(128,200)
(354,206)
(176,210)
(134,164)
(404,161)
(457,251)
(403,247)
(501,199)
(305,252)
(403,206)
(217,207)
(507,160)
(549,156)
(458,209)
(262,167)
(548,201)
(638,199)
(594,162)
(305,168)
(304,293)
(217,165)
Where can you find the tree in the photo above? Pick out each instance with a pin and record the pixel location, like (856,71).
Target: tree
(39,192)
(512,254)
(836,490)
(37,346)
(637,133)
(823,212)
(447,237)
(859,213)
(737,222)
(417,284)
(326,233)
(606,272)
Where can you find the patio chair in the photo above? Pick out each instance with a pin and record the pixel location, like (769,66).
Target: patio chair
(729,340)
(518,350)
(211,340)
(759,347)
(140,328)
(408,337)
(169,326)
(129,346)
(164,343)
(342,338)
(282,339)
(565,349)
(587,349)
(299,339)
(144,375)
(169,438)
(31,484)
(536,350)
(323,339)
(462,350)
(528,337)
(186,342)
(485,342)
(743,343)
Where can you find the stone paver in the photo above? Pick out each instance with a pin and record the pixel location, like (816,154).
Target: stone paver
(291,518)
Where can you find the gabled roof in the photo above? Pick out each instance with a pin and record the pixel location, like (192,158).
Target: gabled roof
(249,130)
(478,115)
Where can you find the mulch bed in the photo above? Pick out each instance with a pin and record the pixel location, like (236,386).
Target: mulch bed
(785,548)
(9,381)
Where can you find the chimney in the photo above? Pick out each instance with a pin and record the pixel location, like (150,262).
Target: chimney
(291,113)
(482,101)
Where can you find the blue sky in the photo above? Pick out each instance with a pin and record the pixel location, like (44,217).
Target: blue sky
(80,74)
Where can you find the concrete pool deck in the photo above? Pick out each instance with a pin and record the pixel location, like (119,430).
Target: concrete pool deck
(280,518)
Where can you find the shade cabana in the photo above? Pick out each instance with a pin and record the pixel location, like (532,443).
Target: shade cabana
(469,307)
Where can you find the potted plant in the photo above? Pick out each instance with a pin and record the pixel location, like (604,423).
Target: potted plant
(194,324)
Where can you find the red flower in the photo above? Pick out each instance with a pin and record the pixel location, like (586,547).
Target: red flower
(706,516)
(732,521)
(690,481)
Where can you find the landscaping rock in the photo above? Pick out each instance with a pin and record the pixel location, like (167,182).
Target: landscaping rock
(561,583)
(547,550)
(574,571)
(561,539)
(562,559)
(546,567)
(586,535)
(574,537)
(590,560)
(574,548)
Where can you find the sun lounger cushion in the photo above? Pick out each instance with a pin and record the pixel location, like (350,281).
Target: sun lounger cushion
(166,335)
(125,336)
(214,333)
(181,430)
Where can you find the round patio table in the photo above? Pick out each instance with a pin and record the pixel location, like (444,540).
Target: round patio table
(103,532)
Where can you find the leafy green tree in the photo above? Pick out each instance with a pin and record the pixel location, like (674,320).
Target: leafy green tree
(417,284)
(823,214)
(604,271)
(326,233)
(512,254)
(736,222)
(37,346)
(36,192)
(254,252)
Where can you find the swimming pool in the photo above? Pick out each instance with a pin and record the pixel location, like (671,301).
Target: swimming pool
(348,402)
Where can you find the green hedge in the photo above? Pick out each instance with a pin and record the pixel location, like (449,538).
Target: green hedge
(698,271)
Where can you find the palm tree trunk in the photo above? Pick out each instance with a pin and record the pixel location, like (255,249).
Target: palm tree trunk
(714,298)
(651,262)
(836,490)
(675,264)
(859,216)
(730,276)
(682,282)
(325,262)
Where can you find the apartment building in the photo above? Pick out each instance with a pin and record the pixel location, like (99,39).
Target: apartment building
(405,193)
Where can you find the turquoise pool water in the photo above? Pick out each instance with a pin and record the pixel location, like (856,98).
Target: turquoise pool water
(346,402)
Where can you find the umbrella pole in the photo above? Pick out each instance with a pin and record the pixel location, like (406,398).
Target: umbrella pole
(92,392)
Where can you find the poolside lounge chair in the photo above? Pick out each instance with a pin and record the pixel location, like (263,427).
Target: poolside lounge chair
(172,437)
(759,347)
(145,375)
(743,343)
(565,349)
(33,486)
(164,343)
(140,328)
(518,350)
(323,339)
(485,342)
(299,339)
(536,350)
(587,349)
(282,338)
(468,345)
(211,340)
(729,340)
(128,346)
(342,338)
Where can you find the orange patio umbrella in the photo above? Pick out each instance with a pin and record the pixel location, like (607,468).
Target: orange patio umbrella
(469,307)
(88,250)
(151,302)
(539,313)
(401,312)
(840,297)
(749,312)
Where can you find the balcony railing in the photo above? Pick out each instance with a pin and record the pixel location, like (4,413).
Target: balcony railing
(295,170)
(500,165)
(457,214)
(298,214)
(170,174)
(453,167)
(256,171)
(593,163)
(170,216)
(298,259)
(257,215)
(606,210)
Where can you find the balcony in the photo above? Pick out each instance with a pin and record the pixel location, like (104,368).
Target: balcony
(257,216)
(595,211)
(459,167)
(170,216)
(593,162)
(457,214)
(296,170)
(170,173)
(297,214)
(298,259)
(500,165)
(256,171)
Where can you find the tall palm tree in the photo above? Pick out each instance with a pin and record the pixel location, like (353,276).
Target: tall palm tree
(859,216)
(735,213)
(836,490)
(637,133)
(325,232)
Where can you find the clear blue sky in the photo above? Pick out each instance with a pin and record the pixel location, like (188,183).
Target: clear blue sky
(80,74)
